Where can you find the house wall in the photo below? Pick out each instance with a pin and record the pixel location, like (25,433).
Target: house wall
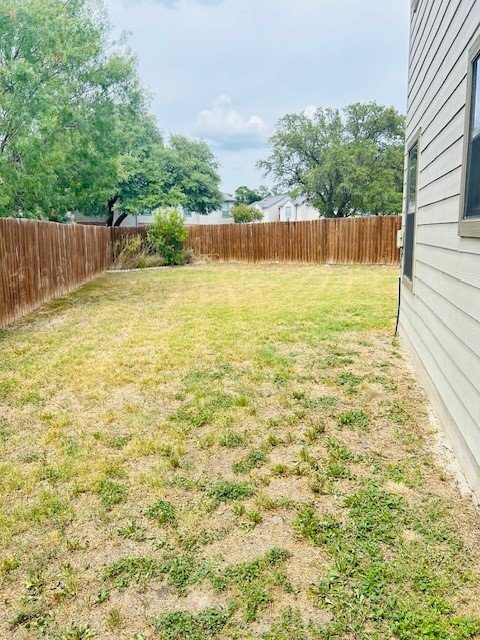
(307,212)
(212,218)
(283,214)
(440,311)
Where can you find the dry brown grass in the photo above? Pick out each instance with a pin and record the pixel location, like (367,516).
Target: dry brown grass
(159,429)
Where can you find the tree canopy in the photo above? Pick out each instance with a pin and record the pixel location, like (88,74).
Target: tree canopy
(345,161)
(245,195)
(75,132)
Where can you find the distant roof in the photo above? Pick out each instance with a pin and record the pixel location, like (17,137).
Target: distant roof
(228,196)
(271,201)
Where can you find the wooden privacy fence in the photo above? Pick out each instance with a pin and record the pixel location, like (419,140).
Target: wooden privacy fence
(43,260)
(371,240)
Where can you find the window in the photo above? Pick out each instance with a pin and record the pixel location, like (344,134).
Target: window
(225,210)
(187,213)
(409,238)
(470,206)
(288,212)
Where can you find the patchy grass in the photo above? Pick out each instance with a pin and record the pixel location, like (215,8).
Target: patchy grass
(225,452)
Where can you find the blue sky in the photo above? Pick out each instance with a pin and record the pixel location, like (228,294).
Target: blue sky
(226,70)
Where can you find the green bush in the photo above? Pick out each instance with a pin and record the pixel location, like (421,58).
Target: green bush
(244,213)
(167,234)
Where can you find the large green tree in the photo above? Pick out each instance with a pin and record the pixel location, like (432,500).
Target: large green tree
(345,161)
(61,82)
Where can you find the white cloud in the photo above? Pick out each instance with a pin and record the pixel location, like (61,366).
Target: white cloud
(227,128)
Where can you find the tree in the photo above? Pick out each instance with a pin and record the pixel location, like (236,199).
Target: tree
(245,195)
(61,80)
(75,132)
(244,213)
(345,161)
(190,170)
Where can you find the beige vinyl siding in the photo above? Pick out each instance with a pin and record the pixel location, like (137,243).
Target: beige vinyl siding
(440,317)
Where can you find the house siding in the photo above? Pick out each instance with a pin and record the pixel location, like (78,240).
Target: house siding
(440,313)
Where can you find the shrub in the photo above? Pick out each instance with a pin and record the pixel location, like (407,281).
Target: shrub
(244,213)
(167,234)
(133,252)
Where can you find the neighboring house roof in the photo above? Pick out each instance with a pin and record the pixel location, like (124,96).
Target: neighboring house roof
(300,200)
(271,201)
(227,197)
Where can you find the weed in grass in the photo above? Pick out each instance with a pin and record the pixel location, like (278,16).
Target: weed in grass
(334,360)
(292,627)
(181,625)
(133,531)
(133,569)
(337,451)
(398,413)
(231,440)
(253,460)
(321,484)
(102,596)
(77,632)
(280,469)
(267,502)
(326,402)
(111,493)
(254,581)
(67,587)
(254,517)
(238,509)
(349,381)
(32,616)
(225,491)
(185,569)
(163,512)
(319,531)
(119,442)
(114,619)
(354,419)
(314,432)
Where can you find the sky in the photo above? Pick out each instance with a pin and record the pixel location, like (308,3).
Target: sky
(224,71)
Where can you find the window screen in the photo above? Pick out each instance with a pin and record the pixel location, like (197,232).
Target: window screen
(409,241)
(472,196)
(225,210)
(288,212)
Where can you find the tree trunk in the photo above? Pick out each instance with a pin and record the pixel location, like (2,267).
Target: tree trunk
(111,212)
(120,219)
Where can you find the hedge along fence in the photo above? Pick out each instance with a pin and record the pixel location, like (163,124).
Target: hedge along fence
(40,261)
(371,240)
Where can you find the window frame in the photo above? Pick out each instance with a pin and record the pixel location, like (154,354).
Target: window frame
(468,227)
(290,209)
(414,140)
(226,209)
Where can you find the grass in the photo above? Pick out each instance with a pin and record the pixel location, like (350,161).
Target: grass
(226,452)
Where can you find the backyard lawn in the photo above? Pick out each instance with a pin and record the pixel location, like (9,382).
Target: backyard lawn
(226,452)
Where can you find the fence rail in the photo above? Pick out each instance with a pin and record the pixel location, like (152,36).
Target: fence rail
(44,260)
(40,261)
(371,240)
